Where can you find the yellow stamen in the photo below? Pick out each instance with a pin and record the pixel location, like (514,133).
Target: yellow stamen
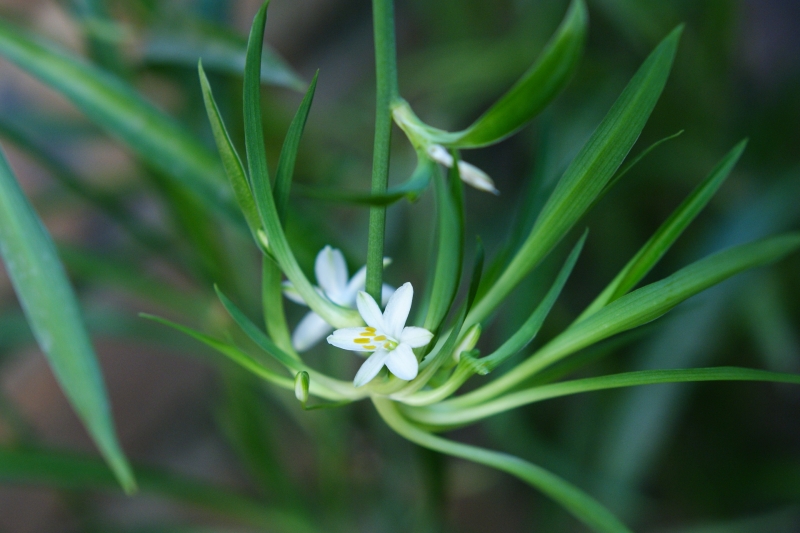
(361,341)
(369,347)
(370,329)
(380,338)
(366,334)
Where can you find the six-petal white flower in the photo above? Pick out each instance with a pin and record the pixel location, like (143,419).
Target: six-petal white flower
(386,335)
(331,271)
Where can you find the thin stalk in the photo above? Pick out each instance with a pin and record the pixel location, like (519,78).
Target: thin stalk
(386,93)
(577,502)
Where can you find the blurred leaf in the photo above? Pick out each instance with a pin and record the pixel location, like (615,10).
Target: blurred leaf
(152,135)
(666,235)
(220,50)
(537,87)
(55,318)
(76,472)
(589,172)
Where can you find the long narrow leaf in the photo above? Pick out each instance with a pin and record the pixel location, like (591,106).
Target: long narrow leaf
(534,90)
(614,381)
(230,158)
(115,106)
(77,472)
(55,318)
(641,306)
(666,235)
(262,190)
(588,173)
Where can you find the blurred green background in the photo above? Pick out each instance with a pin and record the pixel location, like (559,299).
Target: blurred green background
(668,458)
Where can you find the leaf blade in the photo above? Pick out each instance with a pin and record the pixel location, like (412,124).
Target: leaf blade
(53,312)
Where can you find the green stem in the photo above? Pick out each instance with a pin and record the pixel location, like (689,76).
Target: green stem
(386,76)
(577,502)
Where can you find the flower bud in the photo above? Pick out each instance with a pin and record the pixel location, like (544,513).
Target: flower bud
(301,381)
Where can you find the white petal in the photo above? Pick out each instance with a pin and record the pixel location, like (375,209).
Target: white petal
(355,284)
(397,310)
(403,363)
(291,293)
(472,175)
(370,368)
(415,337)
(370,311)
(345,339)
(331,271)
(310,331)
(440,155)
(386,293)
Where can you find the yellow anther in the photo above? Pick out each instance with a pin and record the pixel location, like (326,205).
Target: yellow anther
(380,338)
(361,341)
(366,334)
(369,347)
(370,329)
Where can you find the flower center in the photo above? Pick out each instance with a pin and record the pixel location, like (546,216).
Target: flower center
(371,339)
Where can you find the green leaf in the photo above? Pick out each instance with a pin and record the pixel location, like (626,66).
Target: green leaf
(234,354)
(581,505)
(613,381)
(526,333)
(230,159)
(534,90)
(285,172)
(661,241)
(155,137)
(410,189)
(588,173)
(321,385)
(77,472)
(55,318)
(639,307)
(262,190)
(447,272)
(220,50)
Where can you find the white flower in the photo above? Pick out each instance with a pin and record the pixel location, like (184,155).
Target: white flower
(470,174)
(331,271)
(386,335)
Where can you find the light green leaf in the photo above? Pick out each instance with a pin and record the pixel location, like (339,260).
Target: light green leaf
(77,472)
(285,171)
(262,190)
(639,307)
(155,137)
(230,159)
(55,318)
(534,90)
(588,173)
(581,505)
(220,50)
(661,241)
(233,353)
(614,381)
